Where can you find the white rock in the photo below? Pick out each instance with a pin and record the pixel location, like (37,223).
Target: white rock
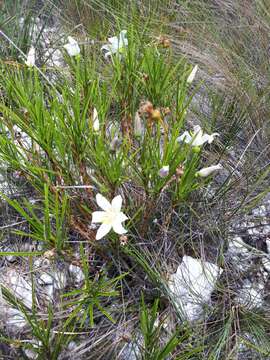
(251,295)
(266,263)
(45,279)
(53,57)
(260,211)
(192,284)
(10,258)
(60,279)
(37,263)
(239,254)
(71,345)
(31,354)
(265,228)
(130,351)
(18,286)
(11,317)
(77,273)
(237,246)
(268,246)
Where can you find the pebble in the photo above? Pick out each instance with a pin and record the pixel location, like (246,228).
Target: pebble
(266,263)
(19,286)
(71,346)
(192,285)
(60,279)
(31,354)
(251,295)
(45,279)
(12,318)
(76,273)
(268,246)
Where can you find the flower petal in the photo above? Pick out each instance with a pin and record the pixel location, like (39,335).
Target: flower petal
(72,49)
(31,57)
(102,202)
(72,41)
(103,230)
(197,129)
(118,228)
(184,137)
(98,216)
(106,47)
(117,203)
(121,217)
(113,40)
(211,137)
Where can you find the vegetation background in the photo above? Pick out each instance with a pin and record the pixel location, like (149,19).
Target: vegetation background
(53,164)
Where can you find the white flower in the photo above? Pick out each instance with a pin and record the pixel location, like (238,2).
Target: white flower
(110,218)
(192,74)
(164,171)
(31,57)
(204,172)
(72,47)
(116,44)
(197,137)
(95,120)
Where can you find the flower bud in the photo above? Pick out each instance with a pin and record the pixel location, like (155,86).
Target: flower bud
(196,149)
(204,172)
(156,115)
(164,171)
(95,120)
(192,74)
(72,47)
(31,57)
(138,128)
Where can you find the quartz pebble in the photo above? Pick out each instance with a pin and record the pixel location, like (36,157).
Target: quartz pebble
(76,273)
(12,318)
(251,295)
(45,279)
(18,286)
(192,284)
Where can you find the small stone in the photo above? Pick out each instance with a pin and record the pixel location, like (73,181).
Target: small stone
(19,286)
(49,289)
(268,246)
(192,285)
(237,245)
(11,258)
(11,317)
(76,273)
(30,353)
(60,279)
(45,279)
(71,346)
(266,263)
(260,211)
(250,295)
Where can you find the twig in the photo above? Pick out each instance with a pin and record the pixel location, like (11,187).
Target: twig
(11,225)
